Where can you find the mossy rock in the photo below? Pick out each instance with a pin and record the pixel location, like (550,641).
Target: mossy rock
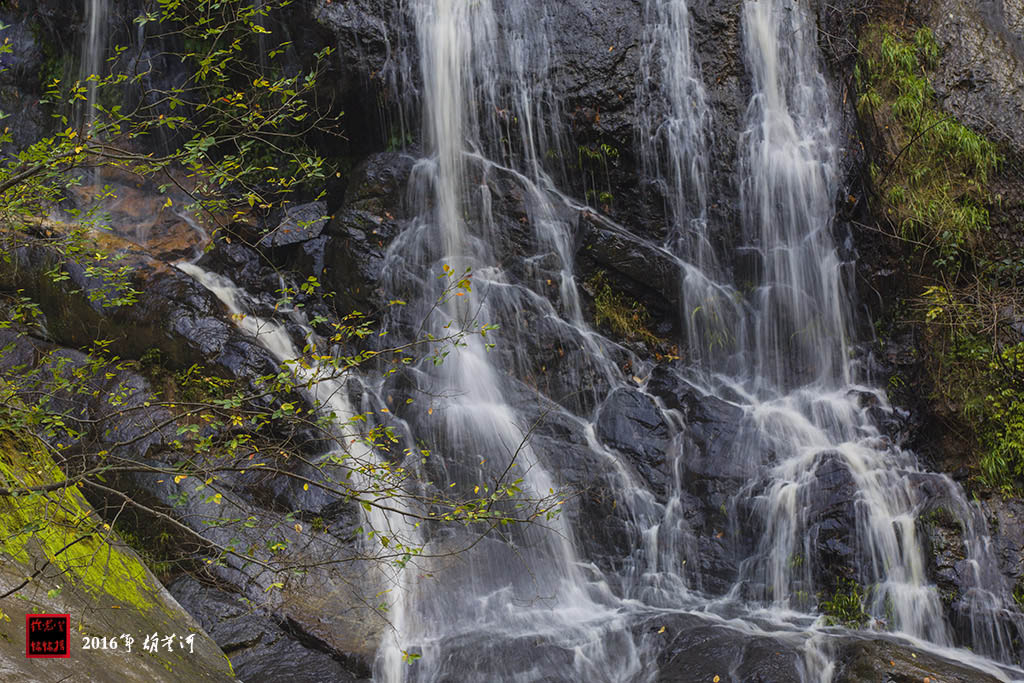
(76,565)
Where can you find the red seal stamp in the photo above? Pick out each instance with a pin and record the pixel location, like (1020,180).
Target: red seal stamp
(47,635)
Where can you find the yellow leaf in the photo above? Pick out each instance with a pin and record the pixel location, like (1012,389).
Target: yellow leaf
(298,527)
(661,630)
(476,489)
(177,479)
(716,679)
(305,487)
(168,202)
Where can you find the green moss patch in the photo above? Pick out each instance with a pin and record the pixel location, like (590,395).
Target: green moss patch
(60,527)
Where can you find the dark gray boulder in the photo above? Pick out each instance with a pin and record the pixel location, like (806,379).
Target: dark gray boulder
(298,223)
(982,57)
(692,649)
(891,662)
(259,646)
(630,422)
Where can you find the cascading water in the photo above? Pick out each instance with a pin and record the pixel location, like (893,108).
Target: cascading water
(328,389)
(788,186)
(531,605)
(536,601)
(482,609)
(674,122)
(800,345)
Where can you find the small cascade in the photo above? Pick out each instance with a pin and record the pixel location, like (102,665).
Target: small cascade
(803,408)
(479,613)
(675,128)
(788,188)
(330,392)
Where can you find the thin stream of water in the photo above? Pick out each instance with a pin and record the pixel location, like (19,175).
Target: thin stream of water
(97,18)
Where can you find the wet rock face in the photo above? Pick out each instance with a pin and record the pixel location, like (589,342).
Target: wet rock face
(365,35)
(638,266)
(710,477)
(359,233)
(597,51)
(694,650)
(946,551)
(259,646)
(982,57)
(20,87)
(298,223)
(173,313)
(1006,524)
(718,41)
(889,662)
(366,68)
(631,423)
(831,522)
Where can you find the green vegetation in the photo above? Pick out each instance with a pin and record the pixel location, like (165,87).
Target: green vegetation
(1018,595)
(592,163)
(626,317)
(932,182)
(845,607)
(1002,434)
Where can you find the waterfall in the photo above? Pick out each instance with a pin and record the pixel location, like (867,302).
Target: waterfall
(536,601)
(530,603)
(805,408)
(483,120)
(788,187)
(674,124)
